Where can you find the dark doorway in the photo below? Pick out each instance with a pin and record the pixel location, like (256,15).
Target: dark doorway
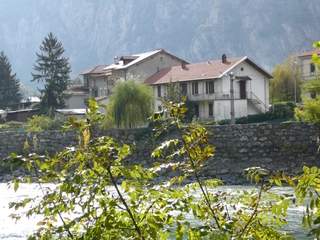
(243,92)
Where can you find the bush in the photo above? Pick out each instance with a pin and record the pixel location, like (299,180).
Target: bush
(310,112)
(11,125)
(283,110)
(39,123)
(280,112)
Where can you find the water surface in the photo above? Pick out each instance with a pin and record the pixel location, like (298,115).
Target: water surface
(11,230)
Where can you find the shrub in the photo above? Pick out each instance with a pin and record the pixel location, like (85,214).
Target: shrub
(283,110)
(12,125)
(310,112)
(40,123)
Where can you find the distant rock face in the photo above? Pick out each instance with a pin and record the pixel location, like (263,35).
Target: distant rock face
(93,32)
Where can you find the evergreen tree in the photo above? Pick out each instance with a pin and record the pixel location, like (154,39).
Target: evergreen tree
(52,69)
(10,95)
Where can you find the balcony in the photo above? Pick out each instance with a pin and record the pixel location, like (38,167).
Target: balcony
(215,96)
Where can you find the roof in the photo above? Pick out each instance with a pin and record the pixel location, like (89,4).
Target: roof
(309,53)
(32,99)
(199,71)
(95,70)
(77,90)
(80,111)
(137,58)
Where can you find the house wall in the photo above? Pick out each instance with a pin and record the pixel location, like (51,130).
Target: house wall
(100,84)
(222,109)
(150,66)
(259,86)
(76,101)
(304,67)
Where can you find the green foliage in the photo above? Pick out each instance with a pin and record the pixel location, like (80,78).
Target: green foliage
(286,78)
(96,195)
(12,125)
(52,69)
(10,95)
(309,112)
(130,105)
(39,123)
(256,219)
(283,110)
(280,112)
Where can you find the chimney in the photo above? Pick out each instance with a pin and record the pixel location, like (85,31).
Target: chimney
(224,58)
(116,60)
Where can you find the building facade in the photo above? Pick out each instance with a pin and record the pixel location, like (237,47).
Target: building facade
(99,81)
(307,69)
(208,86)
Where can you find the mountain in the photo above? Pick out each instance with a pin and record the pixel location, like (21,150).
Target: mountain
(94,31)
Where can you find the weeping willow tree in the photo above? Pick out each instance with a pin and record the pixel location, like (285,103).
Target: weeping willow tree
(130,105)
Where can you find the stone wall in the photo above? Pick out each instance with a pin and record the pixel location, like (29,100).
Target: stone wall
(284,147)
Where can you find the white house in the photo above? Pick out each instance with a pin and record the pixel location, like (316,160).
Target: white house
(208,85)
(100,80)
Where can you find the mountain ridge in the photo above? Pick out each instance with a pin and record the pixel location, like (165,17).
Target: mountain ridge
(93,32)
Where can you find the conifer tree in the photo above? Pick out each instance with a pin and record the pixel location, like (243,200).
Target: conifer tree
(53,70)
(10,95)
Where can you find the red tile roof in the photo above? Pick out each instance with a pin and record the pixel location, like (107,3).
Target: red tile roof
(196,71)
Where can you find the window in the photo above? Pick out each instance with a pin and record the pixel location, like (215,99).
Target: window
(312,68)
(195,88)
(184,88)
(86,81)
(210,109)
(196,110)
(209,87)
(95,92)
(159,90)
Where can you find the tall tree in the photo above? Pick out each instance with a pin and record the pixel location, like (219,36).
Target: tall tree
(130,105)
(286,82)
(53,70)
(10,95)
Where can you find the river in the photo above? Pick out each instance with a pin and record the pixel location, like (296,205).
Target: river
(11,230)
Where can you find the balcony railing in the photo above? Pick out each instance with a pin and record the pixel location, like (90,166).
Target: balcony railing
(215,96)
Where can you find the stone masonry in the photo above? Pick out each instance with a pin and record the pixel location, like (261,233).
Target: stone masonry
(286,147)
